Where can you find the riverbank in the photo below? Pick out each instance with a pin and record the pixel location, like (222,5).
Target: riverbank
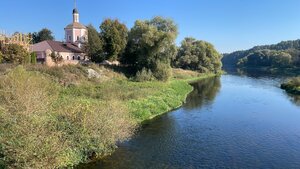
(60,117)
(292,86)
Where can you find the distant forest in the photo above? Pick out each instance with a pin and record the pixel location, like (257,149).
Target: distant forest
(285,54)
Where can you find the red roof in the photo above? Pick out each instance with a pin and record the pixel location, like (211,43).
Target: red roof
(64,47)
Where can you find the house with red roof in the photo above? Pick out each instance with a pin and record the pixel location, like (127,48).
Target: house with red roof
(71,51)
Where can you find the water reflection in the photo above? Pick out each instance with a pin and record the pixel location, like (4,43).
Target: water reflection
(205,91)
(295,99)
(247,123)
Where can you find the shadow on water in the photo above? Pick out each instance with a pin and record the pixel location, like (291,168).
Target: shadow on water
(205,91)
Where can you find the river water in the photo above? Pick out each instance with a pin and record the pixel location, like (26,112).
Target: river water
(233,121)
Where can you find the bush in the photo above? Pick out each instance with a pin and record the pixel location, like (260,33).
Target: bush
(13,53)
(162,72)
(144,75)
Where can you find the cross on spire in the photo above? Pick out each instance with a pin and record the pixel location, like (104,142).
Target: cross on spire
(74,4)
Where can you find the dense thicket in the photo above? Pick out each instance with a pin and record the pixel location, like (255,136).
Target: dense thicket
(198,55)
(283,54)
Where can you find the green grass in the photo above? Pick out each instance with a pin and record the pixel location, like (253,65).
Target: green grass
(57,117)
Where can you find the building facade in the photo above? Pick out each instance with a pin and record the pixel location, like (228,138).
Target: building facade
(71,51)
(76,32)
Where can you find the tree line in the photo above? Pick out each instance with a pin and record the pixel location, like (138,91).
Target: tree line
(148,48)
(284,54)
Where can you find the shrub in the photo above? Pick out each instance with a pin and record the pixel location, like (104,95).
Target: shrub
(144,75)
(162,71)
(14,53)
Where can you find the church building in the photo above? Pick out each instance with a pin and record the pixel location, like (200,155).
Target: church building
(71,50)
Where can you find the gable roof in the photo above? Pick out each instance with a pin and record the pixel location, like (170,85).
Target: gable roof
(64,47)
(56,46)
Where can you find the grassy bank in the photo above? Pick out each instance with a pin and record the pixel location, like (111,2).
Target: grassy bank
(292,86)
(60,117)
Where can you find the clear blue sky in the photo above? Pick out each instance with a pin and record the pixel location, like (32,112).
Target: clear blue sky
(229,24)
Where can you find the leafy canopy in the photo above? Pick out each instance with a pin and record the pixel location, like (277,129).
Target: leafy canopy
(151,45)
(114,35)
(198,55)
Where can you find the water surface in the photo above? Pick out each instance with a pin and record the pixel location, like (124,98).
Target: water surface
(228,122)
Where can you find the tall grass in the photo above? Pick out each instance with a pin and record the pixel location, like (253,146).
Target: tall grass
(40,128)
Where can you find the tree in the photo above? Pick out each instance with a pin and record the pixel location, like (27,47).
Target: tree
(33,58)
(14,53)
(198,55)
(114,35)
(94,46)
(42,35)
(151,45)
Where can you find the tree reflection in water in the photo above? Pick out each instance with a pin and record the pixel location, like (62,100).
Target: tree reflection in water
(205,91)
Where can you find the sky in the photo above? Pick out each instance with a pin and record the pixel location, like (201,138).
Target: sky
(229,25)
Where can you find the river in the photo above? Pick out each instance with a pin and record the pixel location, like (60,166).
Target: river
(233,121)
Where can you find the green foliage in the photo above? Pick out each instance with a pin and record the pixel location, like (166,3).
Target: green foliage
(114,35)
(165,97)
(33,58)
(144,75)
(198,55)
(151,44)
(42,35)
(94,47)
(283,54)
(292,85)
(13,53)
(266,58)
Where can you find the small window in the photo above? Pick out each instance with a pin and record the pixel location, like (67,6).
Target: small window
(73,57)
(77,37)
(78,57)
(69,37)
(68,58)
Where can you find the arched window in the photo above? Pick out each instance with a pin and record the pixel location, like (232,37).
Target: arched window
(73,57)
(78,57)
(68,58)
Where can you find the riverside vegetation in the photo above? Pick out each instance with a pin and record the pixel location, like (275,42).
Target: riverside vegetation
(61,116)
(282,55)
(57,117)
(292,85)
